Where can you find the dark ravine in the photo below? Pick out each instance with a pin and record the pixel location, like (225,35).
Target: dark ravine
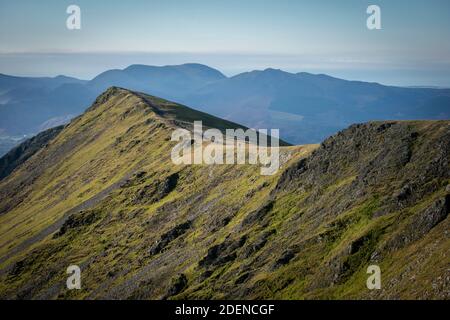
(374,193)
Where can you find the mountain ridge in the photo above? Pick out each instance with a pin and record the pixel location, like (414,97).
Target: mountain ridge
(305,107)
(103,194)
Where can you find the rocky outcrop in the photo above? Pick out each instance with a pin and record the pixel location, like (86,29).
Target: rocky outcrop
(78,220)
(370,156)
(169,236)
(421,223)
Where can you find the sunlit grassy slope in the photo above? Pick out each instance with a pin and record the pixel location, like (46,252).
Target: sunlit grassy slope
(105,195)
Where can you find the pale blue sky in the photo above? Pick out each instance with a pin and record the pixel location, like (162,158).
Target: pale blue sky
(326,36)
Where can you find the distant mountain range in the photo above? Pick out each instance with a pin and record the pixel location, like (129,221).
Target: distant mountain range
(305,107)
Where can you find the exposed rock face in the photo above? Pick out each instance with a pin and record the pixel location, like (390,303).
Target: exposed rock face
(421,223)
(169,236)
(260,242)
(375,193)
(284,259)
(375,155)
(178,284)
(77,220)
(258,215)
(155,191)
(222,253)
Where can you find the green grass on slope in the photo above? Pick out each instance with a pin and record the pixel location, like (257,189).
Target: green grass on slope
(227,231)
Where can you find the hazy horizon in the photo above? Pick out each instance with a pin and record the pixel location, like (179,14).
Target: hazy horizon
(92,68)
(329,37)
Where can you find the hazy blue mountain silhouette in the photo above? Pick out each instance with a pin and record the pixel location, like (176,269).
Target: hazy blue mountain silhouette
(305,107)
(309,107)
(166,81)
(27,103)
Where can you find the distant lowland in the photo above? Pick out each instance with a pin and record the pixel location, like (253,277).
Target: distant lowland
(306,107)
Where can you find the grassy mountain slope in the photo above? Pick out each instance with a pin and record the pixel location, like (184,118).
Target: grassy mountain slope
(104,195)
